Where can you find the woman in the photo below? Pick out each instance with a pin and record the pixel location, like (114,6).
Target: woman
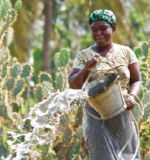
(114,138)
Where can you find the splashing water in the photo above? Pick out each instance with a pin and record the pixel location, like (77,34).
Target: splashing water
(44,115)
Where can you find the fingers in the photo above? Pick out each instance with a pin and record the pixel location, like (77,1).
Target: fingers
(91,63)
(130,105)
(130,101)
(99,59)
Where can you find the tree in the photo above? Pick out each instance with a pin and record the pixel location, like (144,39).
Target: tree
(26,16)
(47,34)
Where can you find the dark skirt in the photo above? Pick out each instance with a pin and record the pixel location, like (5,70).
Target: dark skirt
(106,138)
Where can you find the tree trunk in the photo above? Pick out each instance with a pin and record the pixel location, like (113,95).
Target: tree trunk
(47,34)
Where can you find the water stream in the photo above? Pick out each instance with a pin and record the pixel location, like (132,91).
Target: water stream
(44,115)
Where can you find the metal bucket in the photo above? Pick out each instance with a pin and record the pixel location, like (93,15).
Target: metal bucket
(108,100)
(109,103)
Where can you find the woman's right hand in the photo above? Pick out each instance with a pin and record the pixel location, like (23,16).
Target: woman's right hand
(78,76)
(91,63)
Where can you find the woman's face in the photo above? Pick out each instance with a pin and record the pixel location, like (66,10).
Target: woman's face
(102,33)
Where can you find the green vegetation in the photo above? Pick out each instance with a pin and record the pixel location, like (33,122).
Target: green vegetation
(25,90)
(143,54)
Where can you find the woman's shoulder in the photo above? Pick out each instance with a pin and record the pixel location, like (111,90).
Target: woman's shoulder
(82,57)
(122,47)
(126,52)
(85,50)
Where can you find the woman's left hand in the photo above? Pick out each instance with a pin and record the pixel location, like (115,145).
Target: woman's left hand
(130,105)
(130,102)
(135,85)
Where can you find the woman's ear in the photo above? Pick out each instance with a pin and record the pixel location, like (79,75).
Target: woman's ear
(114,28)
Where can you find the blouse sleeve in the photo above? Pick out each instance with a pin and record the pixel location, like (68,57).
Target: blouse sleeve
(131,56)
(79,61)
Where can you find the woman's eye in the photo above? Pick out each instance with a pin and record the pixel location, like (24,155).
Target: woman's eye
(94,30)
(103,29)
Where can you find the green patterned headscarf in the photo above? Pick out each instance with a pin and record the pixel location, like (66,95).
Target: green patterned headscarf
(106,16)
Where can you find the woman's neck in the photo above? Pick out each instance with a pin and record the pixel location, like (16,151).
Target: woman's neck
(103,51)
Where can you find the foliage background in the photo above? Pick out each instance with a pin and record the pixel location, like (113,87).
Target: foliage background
(69,29)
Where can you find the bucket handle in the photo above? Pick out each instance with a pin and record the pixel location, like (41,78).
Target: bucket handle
(99,61)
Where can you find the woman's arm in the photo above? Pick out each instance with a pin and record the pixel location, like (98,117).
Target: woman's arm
(77,77)
(135,82)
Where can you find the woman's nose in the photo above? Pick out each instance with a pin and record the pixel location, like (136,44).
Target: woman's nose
(99,32)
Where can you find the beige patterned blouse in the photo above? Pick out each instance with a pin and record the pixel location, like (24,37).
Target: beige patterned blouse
(119,59)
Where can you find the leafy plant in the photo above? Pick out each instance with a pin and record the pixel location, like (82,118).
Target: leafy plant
(143,54)
(67,142)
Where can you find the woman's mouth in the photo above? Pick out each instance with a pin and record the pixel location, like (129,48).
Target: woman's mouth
(99,38)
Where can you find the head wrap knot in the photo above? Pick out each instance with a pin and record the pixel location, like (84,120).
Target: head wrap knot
(107,16)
